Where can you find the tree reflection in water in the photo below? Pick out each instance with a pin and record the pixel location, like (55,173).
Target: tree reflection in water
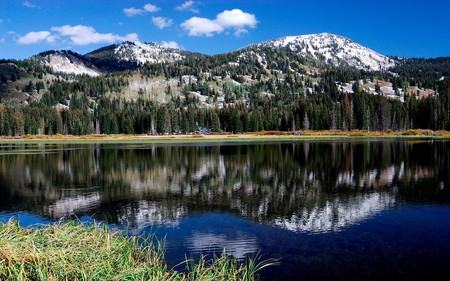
(301,186)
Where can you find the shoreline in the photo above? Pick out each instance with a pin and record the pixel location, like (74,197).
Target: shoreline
(265,136)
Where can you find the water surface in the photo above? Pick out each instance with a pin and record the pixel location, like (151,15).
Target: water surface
(365,210)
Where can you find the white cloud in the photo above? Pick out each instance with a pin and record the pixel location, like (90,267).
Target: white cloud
(240,31)
(36,37)
(235,19)
(185,5)
(130,12)
(196,26)
(188,5)
(78,35)
(151,8)
(8,35)
(85,35)
(28,4)
(148,8)
(1,21)
(171,44)
(162,22)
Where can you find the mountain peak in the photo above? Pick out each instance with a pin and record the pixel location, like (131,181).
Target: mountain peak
(139,53)
(332,49)
(68,62)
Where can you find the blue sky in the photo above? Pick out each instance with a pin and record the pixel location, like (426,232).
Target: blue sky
(403,28)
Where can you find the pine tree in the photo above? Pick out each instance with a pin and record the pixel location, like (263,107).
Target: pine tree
(306,122)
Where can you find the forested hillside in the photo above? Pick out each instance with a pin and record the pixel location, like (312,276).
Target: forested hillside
(260,87)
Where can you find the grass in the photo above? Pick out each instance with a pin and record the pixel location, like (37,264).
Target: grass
(73,251)
(228,137)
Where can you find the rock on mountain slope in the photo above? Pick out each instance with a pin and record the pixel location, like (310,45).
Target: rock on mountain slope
(332,49)
(67,62)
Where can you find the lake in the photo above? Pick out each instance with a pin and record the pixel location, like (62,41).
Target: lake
(346,210)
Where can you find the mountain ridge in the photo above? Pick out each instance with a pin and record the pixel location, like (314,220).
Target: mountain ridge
(132,54)
(316,51)
(335,50)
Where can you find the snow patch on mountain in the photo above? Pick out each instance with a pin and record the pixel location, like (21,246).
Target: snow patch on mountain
(332,49)
(147,52)
(260,57)
(64,62)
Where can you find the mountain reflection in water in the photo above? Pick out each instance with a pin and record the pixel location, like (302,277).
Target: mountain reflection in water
(310,187)
(337,214)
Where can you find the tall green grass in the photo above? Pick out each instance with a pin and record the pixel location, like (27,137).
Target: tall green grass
(73,251)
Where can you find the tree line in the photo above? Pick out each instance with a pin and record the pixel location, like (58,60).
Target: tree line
(286,100)
(310,111)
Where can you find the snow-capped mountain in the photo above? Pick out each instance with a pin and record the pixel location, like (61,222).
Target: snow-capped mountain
(292,53)
(332,49)
(138,53)
(67,62)
(147,52)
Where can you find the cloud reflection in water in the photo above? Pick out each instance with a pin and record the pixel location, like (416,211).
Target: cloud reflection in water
(239,247)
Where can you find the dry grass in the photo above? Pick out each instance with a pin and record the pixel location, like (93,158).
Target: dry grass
(442,133)
(223,136)
(272,133)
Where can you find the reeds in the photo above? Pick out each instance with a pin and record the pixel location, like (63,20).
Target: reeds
(74,251)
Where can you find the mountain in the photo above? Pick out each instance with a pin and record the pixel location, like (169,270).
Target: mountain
(130,55)
(435,68)
(304,54)
(67,62)
(331,49)
(285,84)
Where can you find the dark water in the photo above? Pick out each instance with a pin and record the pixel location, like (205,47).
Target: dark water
(366,210)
